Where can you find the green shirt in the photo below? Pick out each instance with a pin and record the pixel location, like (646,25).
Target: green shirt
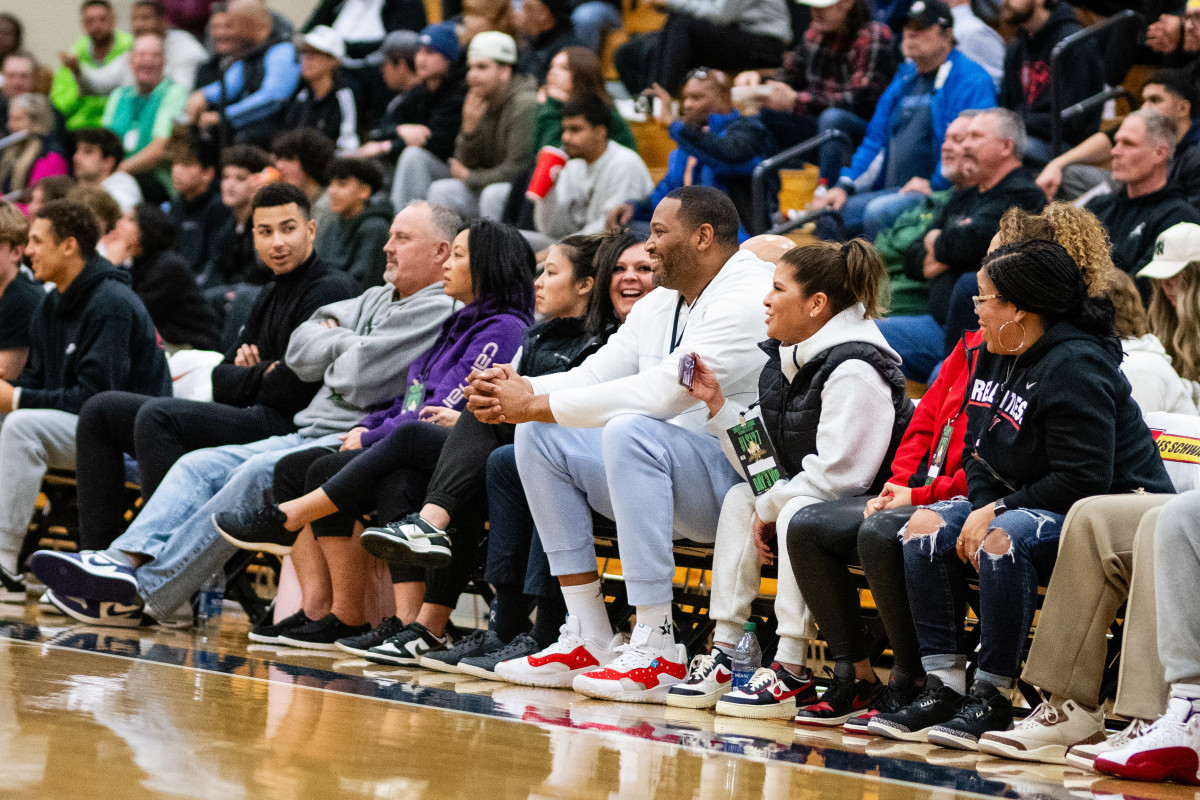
(907,297)
(84,111)
(139,120)
(547,127)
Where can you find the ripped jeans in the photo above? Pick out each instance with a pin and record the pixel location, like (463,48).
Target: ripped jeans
(1008,587)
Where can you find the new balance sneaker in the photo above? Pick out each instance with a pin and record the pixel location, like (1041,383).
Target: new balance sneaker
(321,634)
(709,678)
(1047,734)
(412,540)
(91,573)
(98,612)
(406,648)
(772,693)
(267,632)
(985,708)
(556,666)
(1169,750)
(846,697)
(484,665)
(476,644)
(12,587)
(359,645)
(936,705)
(643,671)
(1082,756)
(257,528)
(895,696)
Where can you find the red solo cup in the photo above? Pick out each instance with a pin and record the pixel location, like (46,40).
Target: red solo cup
(549,163)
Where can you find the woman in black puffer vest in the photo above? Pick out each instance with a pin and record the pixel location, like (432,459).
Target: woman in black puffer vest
(833,403)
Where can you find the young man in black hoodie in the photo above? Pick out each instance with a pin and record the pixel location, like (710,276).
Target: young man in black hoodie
(1025,88)
(90,335)
(256,393)
(354,241)
(197,210)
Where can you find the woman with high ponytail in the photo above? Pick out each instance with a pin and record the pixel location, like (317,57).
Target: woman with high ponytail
(1050,420)
(832,401)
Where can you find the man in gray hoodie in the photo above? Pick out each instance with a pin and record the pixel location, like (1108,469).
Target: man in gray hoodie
(361,349)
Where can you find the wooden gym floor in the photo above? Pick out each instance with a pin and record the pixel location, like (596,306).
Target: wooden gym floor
(129,714)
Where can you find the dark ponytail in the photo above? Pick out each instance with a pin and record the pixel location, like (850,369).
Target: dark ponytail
(847,273)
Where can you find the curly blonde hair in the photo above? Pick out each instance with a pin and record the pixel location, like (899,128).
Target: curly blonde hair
(1077,230)
(1176,325)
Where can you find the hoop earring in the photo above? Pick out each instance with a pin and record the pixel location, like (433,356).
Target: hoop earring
(1000,336)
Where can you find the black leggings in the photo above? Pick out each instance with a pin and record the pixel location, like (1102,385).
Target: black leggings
(823,539)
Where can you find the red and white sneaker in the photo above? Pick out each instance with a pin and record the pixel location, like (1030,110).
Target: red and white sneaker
(1169,750)
(557,665)
(772,693)
(644,672)
(708,680)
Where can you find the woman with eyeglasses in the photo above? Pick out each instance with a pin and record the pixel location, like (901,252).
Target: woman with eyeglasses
(1050,420)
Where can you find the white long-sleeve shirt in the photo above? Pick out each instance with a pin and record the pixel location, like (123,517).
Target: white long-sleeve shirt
(853,432)
(637,371)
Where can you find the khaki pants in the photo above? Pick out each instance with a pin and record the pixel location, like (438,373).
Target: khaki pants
(1105,556)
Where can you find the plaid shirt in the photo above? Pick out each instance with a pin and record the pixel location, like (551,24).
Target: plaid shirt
(827,74)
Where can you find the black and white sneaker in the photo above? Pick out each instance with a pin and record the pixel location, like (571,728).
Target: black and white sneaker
(484,665)
(985,708)
(406,648)
(478,643)
(97,612)
(412,540)
(710,677)
(359,645)
(257,528)
(12,587)
(935,706)
(91,573)
(322,634)
(269,632)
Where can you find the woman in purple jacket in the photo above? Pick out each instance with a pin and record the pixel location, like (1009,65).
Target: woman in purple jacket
(385,462)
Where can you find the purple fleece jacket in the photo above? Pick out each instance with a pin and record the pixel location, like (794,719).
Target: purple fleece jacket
(477,336)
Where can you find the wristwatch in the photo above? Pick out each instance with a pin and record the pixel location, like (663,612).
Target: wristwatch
(999,507)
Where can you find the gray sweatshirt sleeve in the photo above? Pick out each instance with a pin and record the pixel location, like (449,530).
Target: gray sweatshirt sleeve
(313,346)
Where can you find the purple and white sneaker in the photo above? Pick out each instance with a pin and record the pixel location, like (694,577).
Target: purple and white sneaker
(96,612)
(91,574)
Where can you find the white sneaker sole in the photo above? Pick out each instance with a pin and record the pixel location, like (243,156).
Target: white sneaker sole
(389,547)
(280,550)
(613,690)
(696,700)
(545,680)
(1046,754)
(947,739)
(437,666)
(784,710)
(477,672)
(303,645)
(1085,763)
(883,730)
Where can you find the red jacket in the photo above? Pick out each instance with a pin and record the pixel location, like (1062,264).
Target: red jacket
(941,403)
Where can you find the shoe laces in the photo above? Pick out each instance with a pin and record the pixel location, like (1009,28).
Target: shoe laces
(1132,731)
(1045,715)
(840,692)
(974,705)
(1167,728)
(891,699)
(474,640)
(632,655)
(701,667)
(760,680)
(517,645)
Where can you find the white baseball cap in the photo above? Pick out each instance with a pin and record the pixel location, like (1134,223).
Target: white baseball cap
(1174,249)
(326,40)
(499,47)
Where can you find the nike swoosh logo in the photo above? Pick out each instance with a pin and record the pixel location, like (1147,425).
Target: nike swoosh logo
(1031,385)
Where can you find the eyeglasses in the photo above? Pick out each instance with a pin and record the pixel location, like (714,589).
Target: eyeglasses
(979,298)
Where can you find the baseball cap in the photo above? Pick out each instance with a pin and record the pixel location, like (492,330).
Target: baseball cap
(928,13)
(401,45)
(817,3)
(326,40)
(441,38)
(1174,249)
(497,46)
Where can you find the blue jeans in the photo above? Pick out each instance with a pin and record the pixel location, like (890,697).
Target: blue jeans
(867,213)
(514,552)
(175,527)
(657,481)
(1008,588)
(591,20)
(919,341)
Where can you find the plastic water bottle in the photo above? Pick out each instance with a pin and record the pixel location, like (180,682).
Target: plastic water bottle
(212,599)
(748,656)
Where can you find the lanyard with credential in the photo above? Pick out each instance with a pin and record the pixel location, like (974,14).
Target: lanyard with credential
(676,340)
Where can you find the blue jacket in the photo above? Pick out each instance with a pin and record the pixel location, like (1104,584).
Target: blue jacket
(964,85)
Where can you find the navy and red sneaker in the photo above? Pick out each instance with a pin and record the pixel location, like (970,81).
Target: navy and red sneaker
(895,696)
(772,693)
(846,697)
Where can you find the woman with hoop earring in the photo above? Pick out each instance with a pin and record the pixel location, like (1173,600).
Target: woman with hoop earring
(1050,420)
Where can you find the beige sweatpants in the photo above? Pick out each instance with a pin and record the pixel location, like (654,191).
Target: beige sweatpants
(1105,556)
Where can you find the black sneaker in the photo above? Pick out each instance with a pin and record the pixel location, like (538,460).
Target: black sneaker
(412,540)
(846,697)
(269,632)
(936,705)
(257,528)
(984,709)
(484,666)
(322,634)
(359,645)
(478,643)
(895,696)
(12,587)
(406,648)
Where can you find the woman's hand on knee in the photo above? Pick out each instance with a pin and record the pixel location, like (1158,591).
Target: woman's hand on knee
(970,540)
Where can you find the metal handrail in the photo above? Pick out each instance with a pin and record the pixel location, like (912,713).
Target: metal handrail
(758,182)
(14,138)
(1058,115)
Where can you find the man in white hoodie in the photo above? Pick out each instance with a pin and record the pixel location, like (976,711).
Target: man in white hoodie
(621,436)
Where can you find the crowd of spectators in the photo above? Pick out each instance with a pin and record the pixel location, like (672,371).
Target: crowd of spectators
(449,322)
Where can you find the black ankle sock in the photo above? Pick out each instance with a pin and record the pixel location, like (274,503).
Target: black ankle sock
(510,611)
(551,614)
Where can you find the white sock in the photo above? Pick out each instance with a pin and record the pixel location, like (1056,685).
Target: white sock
(586,604)
(954,677)
(658,619)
